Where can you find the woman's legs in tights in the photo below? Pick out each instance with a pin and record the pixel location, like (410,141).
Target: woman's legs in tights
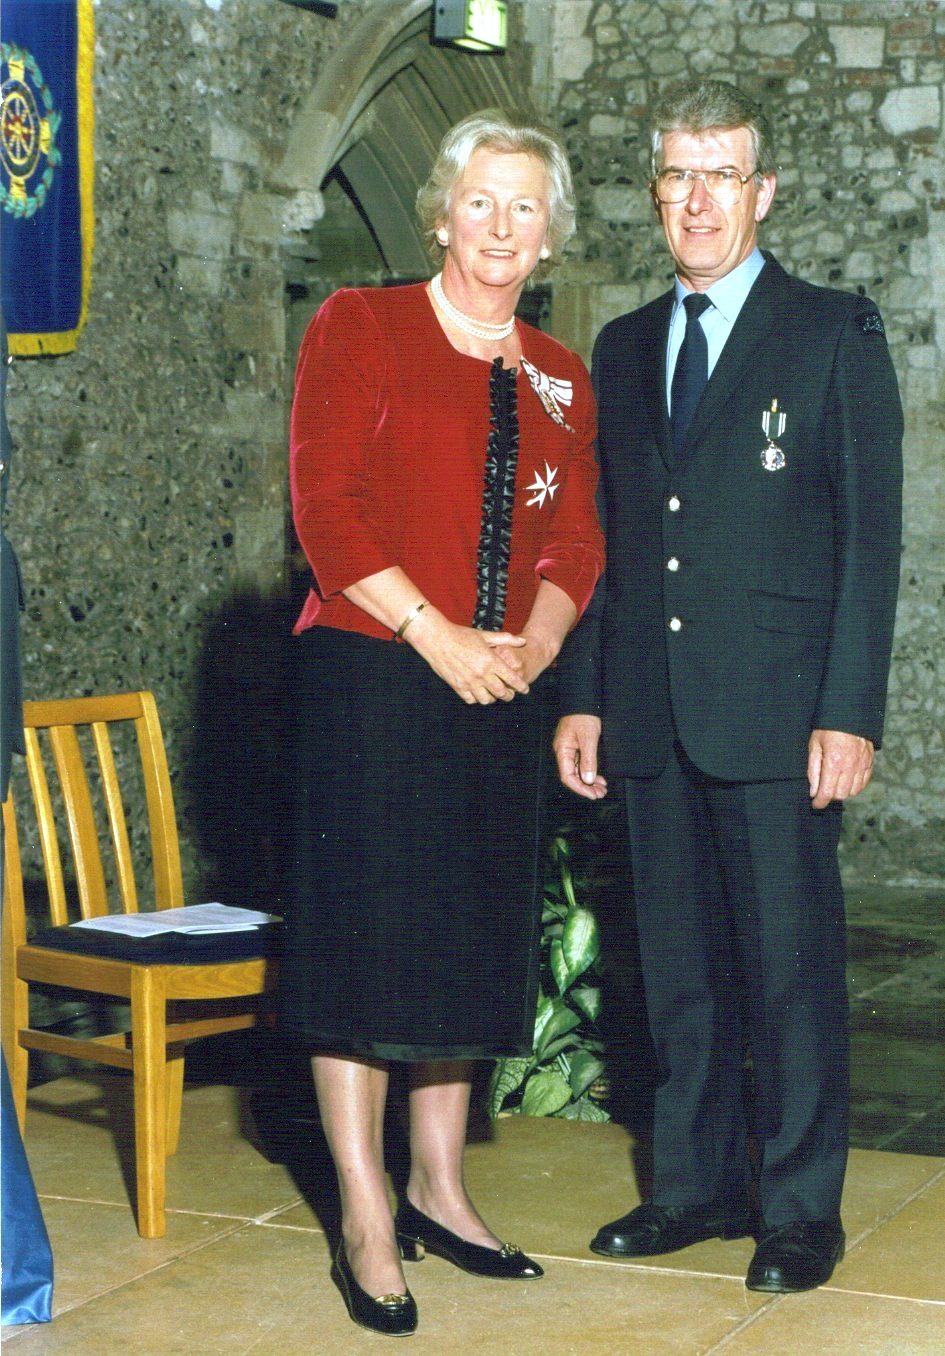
(439,1110)
(352,1095)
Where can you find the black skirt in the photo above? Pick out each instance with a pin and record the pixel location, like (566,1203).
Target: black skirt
(413,932)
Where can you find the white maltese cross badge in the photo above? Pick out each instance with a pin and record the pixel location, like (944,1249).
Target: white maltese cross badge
(543,485)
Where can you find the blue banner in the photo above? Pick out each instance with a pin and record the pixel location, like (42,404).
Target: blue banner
(46,171)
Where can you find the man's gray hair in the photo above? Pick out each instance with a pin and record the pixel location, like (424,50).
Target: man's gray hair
(712,106)
(506,132)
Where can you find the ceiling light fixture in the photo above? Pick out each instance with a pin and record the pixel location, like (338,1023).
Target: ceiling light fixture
(470,25)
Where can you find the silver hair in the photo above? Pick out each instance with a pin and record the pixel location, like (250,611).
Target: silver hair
(508,133)
(712,106)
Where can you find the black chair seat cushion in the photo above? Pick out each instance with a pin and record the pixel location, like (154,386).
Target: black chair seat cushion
(172,948)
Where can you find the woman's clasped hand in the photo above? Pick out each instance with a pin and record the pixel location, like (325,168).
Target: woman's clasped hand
(480,666)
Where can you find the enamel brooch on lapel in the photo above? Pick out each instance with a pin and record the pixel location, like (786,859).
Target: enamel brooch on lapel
(772,456)
(553,392)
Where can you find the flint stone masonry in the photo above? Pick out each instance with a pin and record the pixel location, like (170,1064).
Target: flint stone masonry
(571,58)
(774,39)
(854,48)
(855,95)
(149,482)
(232,143)
(262,219)
(203,233)
(912,110)
(149,495)
(621,204)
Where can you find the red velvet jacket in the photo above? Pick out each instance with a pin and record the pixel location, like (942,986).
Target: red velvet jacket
(390,426)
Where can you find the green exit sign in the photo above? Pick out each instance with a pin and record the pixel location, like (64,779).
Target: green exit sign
(471,25)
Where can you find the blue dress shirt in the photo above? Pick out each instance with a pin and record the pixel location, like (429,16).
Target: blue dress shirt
(727,297)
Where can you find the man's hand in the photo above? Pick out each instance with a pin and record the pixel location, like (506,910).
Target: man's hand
(839,766)
(575,744)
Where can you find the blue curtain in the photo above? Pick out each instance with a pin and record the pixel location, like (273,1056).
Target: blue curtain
(26,1255)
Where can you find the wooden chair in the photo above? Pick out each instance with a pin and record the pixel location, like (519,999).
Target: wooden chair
(171,1003)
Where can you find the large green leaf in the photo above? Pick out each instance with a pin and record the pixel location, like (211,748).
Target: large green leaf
(569,1041)
(583,1110)
(580,942)
(588,999)
(561,1020)
(559,966)
(507,1075)
(543,1014)
(585,1068)
(567,884)
(545,1093)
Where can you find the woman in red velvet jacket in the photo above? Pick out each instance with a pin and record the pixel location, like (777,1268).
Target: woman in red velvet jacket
(443,481)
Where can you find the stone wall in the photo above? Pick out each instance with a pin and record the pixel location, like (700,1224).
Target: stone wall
(855,91)
(148,502)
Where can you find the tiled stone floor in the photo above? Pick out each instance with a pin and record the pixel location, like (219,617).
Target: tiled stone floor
(897,1009)
(244,1265)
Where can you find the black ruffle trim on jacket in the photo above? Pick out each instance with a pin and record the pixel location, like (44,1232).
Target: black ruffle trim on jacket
(495,534)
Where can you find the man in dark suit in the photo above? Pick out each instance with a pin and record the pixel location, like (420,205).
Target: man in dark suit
(733,666)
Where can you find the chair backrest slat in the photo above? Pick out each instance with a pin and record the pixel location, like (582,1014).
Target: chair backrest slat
(46,826)
(117,822)
(80,818)
(165,845)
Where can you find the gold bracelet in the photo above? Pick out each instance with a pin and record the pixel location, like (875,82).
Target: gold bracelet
(412,615)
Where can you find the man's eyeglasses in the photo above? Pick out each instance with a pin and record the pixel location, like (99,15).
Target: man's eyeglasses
(724,186)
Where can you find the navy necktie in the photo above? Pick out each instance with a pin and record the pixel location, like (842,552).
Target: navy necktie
(692,370)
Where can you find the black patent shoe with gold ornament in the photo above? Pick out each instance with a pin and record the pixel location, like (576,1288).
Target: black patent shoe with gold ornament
(393,1315)
(417,1233)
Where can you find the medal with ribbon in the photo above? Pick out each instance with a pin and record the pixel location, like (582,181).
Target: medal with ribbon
(772,456)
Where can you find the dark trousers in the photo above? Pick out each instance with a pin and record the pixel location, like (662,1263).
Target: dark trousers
(742,940)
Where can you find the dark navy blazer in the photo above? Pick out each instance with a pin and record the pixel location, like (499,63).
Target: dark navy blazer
(744,606)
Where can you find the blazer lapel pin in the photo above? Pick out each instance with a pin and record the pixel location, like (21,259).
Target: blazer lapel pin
(772,456)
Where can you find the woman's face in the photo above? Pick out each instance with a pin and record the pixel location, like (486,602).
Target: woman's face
(498,218)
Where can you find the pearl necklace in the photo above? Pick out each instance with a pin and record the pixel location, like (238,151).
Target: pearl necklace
(479,329)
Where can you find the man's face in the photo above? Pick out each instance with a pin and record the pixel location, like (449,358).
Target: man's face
(706,240)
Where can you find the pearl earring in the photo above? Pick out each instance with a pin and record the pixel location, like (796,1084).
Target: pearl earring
(545,253)
(442,238)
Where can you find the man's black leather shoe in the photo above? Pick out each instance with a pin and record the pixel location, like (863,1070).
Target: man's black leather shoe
(653,1229)
(798,1256)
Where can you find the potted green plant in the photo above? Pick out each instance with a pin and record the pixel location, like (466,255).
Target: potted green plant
(566,1063)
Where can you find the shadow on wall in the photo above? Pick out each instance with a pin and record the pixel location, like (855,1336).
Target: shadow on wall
(237,765)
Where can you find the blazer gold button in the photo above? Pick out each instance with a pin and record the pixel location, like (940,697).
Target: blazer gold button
(675,624)
(672,564)
(675,504)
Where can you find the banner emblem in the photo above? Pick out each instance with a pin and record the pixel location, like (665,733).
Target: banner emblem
(28,126)
(47,172)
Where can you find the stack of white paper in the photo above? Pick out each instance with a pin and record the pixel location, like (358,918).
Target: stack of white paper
(196,918)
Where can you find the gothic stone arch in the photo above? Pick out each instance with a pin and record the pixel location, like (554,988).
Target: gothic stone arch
(377,112)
